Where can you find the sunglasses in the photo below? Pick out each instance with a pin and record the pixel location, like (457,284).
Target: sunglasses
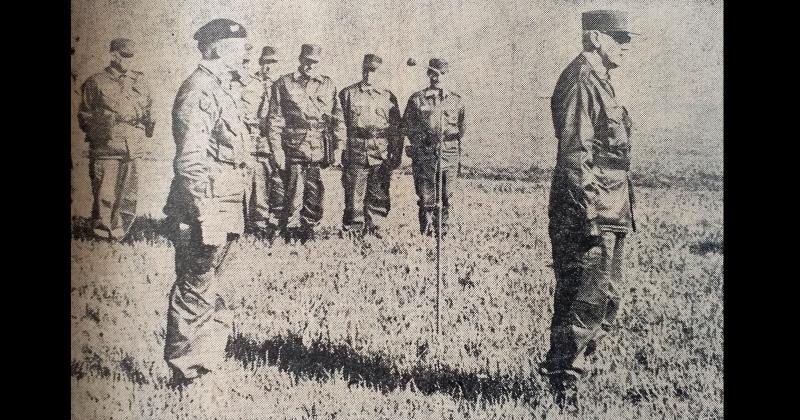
(620,37)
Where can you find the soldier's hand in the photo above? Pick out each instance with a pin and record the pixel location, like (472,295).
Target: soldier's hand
(594,228)
(593,234)
(409,151)
(336,161)
(149,128)
(277,161)
(394,161)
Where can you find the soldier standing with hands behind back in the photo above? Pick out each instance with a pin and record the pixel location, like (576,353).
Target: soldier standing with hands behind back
(304,130)
(591,201)
(373,149)
(205,202)
(115,112)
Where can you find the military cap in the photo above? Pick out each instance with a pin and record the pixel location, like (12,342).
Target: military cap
(267,55)
(311,52)
(613,21)
(124,46)
(219,29)
(439,65)
(372,61)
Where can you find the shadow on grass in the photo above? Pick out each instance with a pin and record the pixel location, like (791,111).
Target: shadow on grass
(706,247)
(319,361)
(143,229)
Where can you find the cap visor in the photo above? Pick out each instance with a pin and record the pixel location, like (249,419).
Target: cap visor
(126,54)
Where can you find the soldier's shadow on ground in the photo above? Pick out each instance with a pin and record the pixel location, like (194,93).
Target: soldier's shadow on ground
(143,229)
(319,361)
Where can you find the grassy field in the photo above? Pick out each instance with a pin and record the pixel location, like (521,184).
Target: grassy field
(337,329)
(344,329)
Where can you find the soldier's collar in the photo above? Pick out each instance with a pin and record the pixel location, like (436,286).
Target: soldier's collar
(597,64)
(297,76)
(219,71)
(260,76)
(430,92)
(368,88)
(115,73)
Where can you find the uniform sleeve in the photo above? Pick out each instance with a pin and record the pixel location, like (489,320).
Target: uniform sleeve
(395,133)
(148,105)
(263,109)
(344,103)
(338,128)
(411,123)
(577,131)
(192,125)
(90,96)
(274,123)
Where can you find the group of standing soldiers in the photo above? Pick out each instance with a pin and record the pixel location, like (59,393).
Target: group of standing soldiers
(249,151)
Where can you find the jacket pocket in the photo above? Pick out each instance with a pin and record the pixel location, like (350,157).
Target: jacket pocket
(224,180)
(612,203)
(293,138)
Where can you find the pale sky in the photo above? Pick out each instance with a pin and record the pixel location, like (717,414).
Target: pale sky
(504,56)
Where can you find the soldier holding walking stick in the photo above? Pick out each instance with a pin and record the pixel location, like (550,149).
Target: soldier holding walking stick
(434,123)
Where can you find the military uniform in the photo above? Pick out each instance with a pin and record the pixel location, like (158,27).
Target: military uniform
(265,194)
(432,116)
(591,202)
(304,127)
(115,114)
(373,149)
(205,209)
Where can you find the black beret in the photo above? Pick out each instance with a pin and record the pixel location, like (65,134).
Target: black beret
(220,29)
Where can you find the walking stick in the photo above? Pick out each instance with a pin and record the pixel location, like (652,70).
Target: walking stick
(438,214)
(439,133)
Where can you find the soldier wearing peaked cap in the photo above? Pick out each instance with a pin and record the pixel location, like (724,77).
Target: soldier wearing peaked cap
(115,114)
(373,148)
(434,115)
(205,202)
(265,194)
(591,200)
(304,130)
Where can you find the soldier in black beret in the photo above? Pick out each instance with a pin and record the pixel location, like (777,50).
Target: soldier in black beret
(205,203)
